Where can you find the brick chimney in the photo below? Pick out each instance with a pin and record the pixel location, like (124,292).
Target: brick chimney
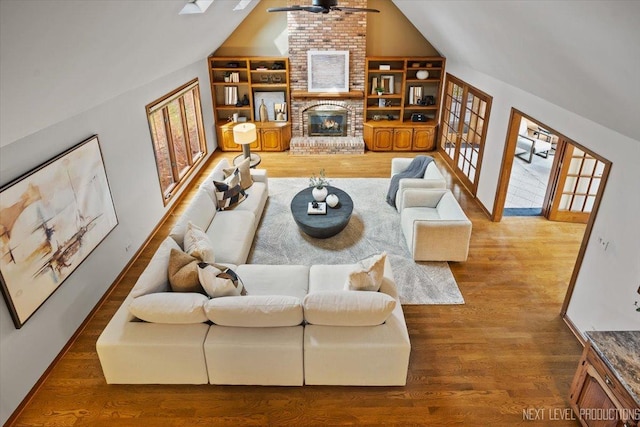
(332,31)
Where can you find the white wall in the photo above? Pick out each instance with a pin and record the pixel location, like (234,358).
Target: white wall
(605,290)
(122,128)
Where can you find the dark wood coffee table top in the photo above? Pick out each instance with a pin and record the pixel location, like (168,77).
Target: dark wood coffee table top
(321,226)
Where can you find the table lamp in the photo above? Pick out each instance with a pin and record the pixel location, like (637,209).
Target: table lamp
(245,134)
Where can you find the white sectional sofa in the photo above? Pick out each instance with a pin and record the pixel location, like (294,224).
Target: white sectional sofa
(296,325)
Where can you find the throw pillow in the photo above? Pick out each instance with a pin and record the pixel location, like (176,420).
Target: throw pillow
(220,281)
(198,244)
(369,276)
(229,192)
(183,272)
(170,307)
(245,173)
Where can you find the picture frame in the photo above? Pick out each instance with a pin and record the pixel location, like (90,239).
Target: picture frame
(270,100)
(51,220)
(328,70)
(388,83)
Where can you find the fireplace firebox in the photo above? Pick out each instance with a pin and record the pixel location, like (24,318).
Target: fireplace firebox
(327,120)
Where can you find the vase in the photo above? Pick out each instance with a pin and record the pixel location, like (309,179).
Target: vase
(422,74)
(264,115)
(332,200)
(319,194)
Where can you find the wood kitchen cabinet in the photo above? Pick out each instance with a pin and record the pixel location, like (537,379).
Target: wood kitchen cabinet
(598,398)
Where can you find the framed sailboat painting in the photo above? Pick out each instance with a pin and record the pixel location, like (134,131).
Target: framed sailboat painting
(51,219)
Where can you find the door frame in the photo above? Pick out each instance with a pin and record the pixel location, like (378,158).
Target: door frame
(503,184)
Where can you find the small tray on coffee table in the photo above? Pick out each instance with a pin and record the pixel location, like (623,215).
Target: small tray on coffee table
(320,209)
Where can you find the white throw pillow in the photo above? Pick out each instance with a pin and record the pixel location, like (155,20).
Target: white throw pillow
(255,311)
(347,308)
(220,281)
(170,307)
(369,276)
(245,173)
(198,244)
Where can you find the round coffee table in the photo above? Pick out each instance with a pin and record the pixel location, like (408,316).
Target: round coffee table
(321,226)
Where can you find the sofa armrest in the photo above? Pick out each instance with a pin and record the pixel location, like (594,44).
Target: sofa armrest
(260,175)
(416,195)
(399,164)
(449,209)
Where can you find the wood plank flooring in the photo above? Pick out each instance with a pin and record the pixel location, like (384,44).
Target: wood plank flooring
(485,363)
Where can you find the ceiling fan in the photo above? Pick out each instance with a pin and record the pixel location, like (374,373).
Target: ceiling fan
(321,6)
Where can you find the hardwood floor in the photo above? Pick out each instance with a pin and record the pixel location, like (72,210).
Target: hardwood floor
(504,353)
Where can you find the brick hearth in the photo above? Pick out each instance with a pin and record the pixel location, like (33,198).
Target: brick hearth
(305,145)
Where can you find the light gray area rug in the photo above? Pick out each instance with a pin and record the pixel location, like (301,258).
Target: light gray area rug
(374,227)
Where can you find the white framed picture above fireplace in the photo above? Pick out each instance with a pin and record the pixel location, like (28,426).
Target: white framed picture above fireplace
(328,70)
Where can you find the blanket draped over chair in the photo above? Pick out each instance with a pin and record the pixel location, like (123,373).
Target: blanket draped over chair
(415,170)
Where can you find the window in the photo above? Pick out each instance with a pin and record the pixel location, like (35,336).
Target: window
(175,122)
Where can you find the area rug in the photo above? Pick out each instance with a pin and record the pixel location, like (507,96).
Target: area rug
(374,227)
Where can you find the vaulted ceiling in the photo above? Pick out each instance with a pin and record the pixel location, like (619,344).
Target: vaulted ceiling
(59,58)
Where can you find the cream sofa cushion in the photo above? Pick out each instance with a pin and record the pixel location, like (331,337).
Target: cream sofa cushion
(255,311)
(347,308)
(200,212)
(170,307)
(155,278)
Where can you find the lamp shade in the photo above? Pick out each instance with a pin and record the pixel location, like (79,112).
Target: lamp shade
(244,133)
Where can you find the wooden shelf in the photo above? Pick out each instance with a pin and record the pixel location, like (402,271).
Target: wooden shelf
(272,136)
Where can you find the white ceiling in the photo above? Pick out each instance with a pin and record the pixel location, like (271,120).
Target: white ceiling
(59,58)
(583,56)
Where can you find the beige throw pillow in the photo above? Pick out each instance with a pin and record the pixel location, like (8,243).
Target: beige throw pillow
(245,173)
(369,276)
(198,244)
(183,272)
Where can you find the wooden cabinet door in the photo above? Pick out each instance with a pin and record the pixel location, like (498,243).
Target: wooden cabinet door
(383,139)
(227,143)
(423,139)
(402,138)
(271,139)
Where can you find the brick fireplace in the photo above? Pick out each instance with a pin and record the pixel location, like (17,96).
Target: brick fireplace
(332,31)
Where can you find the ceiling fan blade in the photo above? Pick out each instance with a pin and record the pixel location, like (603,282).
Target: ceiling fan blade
(314,9)
(354,9)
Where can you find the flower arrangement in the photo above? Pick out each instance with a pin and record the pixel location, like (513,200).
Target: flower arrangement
(319,181)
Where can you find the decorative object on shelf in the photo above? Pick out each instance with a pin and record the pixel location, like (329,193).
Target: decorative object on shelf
(384,67)
(387,83)
(418,117)
(264,113)
(52,218)
(415,65)
(332,200)
(319,184)
(278,65)
(280,109)
(233,64)
(270,100)
(382,103)
(422,75)
(377,117)
(245,100)
(379,90)
(276,79)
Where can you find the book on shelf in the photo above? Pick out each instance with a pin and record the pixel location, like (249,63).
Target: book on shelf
(230,95)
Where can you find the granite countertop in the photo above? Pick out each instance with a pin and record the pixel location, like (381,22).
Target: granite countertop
(620,350)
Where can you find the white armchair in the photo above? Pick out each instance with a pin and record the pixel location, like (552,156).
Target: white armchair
(432,178)
(434,225)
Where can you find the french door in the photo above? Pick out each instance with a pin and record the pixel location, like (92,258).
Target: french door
(580,176)
(463,129)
